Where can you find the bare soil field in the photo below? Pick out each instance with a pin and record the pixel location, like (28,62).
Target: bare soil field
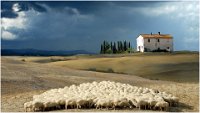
(21,79)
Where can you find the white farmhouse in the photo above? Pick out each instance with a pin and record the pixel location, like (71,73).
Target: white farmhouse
(154,42)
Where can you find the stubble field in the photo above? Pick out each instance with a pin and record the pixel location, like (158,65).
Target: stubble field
(23,77)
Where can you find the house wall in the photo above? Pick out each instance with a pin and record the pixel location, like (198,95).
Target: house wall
(154,44)
(140,44)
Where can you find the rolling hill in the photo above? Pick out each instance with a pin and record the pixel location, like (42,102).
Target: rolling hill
(35,52)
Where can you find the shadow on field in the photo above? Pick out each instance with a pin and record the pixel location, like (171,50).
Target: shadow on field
(180,107)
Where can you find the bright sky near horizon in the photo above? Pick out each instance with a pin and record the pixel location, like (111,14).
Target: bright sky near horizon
(76,25)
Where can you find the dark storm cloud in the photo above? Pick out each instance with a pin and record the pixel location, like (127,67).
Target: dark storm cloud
(6,5)
(83,7)
(8,12)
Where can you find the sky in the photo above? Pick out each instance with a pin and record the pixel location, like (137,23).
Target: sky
(81,25)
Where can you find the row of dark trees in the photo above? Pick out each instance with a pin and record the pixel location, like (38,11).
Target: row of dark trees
(115,47)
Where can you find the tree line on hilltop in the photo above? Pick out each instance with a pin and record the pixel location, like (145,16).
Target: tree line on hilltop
(116,47)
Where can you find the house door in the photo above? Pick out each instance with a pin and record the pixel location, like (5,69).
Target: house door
(139,48)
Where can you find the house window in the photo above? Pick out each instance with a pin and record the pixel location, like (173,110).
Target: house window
(158,40)
(148,40)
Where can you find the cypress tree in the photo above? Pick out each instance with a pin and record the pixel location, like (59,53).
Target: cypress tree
(104,46)
(111,45)
(101,49)
(118,46)
(125,48)
(114,48)
(107,46)
(121,46)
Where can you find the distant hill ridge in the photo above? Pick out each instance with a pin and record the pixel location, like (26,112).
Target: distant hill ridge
(35,52)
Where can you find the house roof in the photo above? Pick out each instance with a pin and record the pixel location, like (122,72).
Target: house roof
(166,36)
